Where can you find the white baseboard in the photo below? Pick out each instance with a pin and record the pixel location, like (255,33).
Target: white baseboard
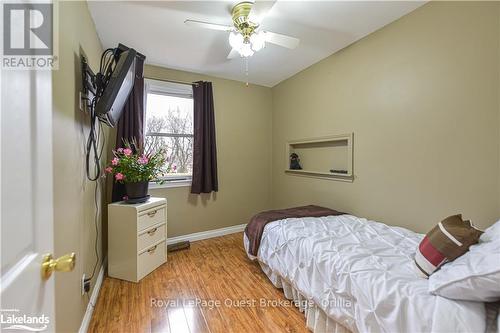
(93,299)
(207,234)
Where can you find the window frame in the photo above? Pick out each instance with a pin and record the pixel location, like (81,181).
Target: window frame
(152,86)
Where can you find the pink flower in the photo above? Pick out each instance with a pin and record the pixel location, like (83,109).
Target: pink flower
(143,160)
(120,150)
(125,197)
(119,176)
(109,169)
(127,151)
(115,161)
(174,167)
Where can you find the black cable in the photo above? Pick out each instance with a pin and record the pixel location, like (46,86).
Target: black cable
(96,205)
(101,132)
(92,147)
(96,216)
(93,144)
(105,54)
(102,78)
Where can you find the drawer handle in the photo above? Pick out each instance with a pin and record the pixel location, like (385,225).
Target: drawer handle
(153,213)
(152,231)
(152,250)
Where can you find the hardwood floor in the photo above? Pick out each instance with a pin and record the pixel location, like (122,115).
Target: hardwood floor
(179,296)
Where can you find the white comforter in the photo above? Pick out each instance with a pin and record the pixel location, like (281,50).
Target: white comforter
(361,273)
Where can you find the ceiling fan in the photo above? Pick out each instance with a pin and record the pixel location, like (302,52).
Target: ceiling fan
(245,35)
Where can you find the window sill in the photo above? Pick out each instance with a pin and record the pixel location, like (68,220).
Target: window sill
(171,184)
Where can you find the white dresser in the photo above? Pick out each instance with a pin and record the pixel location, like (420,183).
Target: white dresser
(137,236)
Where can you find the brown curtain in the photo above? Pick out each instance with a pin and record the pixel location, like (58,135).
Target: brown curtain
(130,124)
(204,147)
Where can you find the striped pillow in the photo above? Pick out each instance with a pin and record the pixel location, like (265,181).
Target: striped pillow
(445,242)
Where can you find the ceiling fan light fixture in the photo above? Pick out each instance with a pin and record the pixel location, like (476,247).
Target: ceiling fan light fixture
(236,40)
(258,40)
(245,36)
(246,50)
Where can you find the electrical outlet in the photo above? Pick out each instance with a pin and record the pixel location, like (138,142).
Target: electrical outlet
(85,285)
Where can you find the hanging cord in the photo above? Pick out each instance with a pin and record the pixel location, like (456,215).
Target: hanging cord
(92,147)
(96,224)
(95,148)
(246,70)
(97,193)
(106,67)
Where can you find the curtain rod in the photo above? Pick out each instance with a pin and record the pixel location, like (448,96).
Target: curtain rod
(172,81)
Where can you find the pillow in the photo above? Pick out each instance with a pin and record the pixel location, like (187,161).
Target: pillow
(492,233)
(451,238)
(475,276)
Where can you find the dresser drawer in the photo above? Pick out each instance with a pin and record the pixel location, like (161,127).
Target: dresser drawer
(150,237)
(151,217)
(150,259)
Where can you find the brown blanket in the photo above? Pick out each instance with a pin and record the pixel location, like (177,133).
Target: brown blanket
(256,226)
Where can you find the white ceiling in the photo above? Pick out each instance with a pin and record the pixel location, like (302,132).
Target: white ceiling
(157,29)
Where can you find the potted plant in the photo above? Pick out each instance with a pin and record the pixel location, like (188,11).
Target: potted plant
(136,168)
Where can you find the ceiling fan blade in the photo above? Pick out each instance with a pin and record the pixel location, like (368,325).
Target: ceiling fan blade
(282,40)
(233,54)
(260,8)
(208,25)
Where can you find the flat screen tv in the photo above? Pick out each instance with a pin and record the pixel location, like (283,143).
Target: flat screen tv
(110,104)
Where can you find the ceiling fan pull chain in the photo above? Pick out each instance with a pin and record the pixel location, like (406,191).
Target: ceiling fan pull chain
(246,70)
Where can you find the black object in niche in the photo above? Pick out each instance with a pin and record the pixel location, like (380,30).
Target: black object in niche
(295,162)
(339,171)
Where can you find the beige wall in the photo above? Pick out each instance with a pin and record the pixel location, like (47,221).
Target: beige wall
(421,96)
(243,126)
(73,193)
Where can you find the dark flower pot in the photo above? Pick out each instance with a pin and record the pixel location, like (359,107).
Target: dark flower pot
(137,190)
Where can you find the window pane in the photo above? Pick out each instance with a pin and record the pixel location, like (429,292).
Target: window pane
(179,153)
(171,115)
(168,114)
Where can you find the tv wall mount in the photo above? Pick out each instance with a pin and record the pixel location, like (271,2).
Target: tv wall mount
(93,84)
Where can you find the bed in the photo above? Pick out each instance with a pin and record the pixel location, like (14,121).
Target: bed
(349,274)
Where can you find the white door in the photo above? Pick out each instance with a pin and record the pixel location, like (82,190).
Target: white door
(26,200)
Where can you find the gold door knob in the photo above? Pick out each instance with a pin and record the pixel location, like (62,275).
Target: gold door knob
(65,263)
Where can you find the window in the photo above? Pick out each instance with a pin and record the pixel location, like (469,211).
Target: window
(169,125)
